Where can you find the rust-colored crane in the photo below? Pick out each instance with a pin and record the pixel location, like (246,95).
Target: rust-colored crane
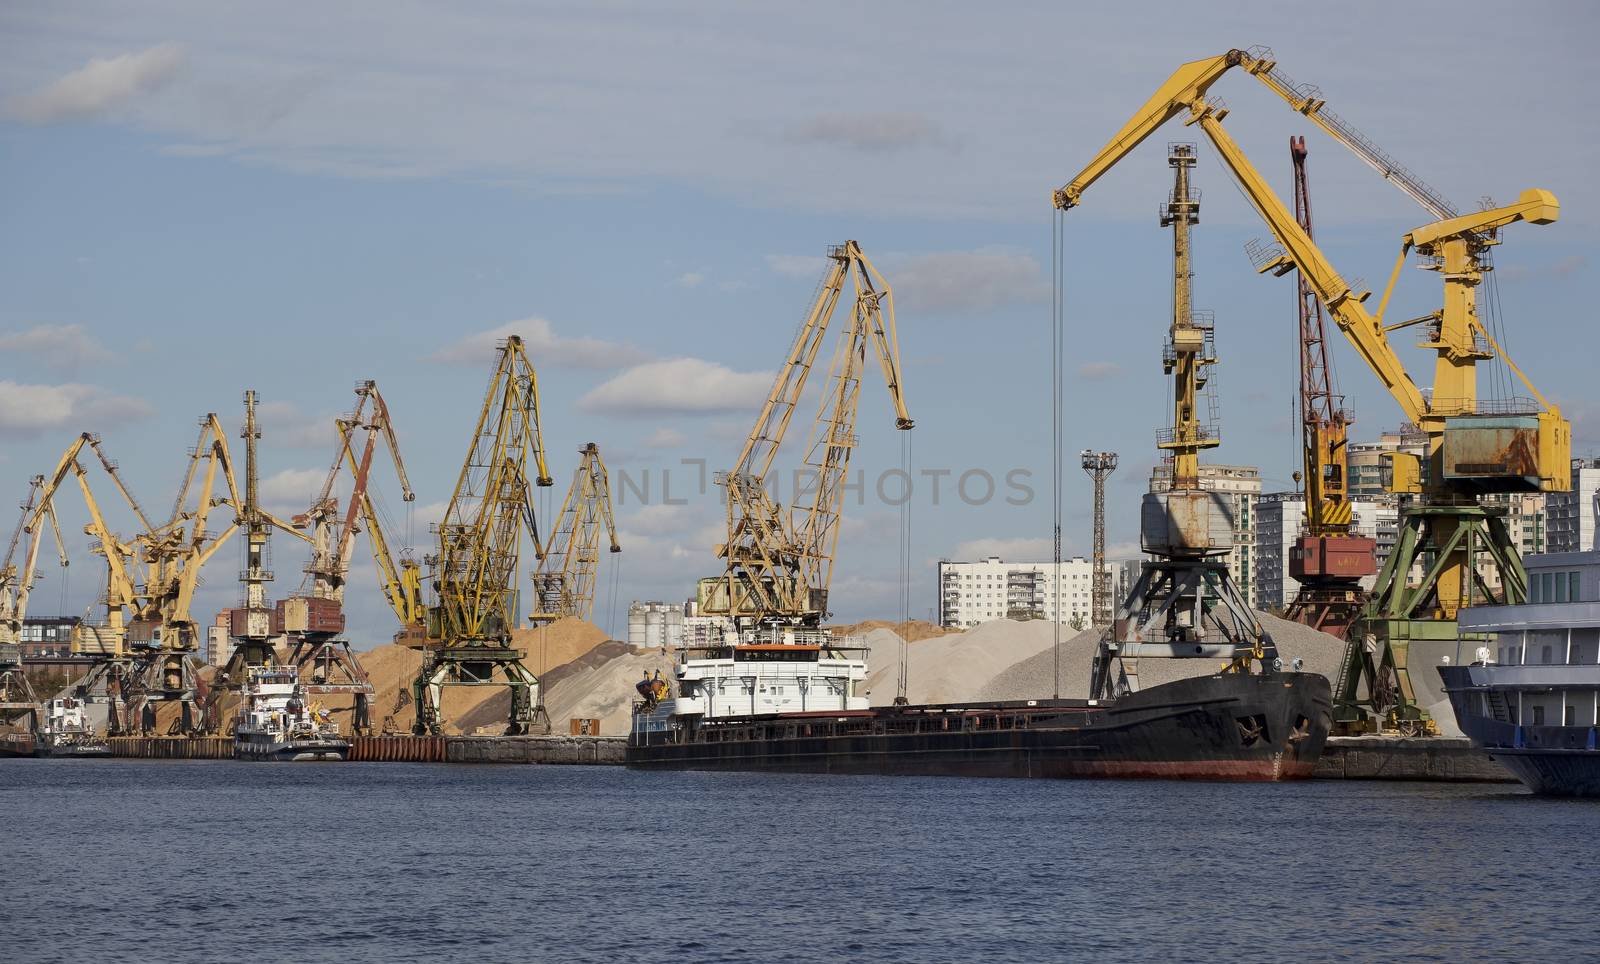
(1327,558)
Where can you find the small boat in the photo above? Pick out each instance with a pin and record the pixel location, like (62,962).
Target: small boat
(277,722)
(67,732)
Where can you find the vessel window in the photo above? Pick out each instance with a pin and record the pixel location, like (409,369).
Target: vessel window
(1544,656)
(1572,586)
(1538,716)
(1570,716)
(1561,587)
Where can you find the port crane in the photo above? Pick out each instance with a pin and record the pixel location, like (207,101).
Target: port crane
(564,579)
(474,571)
(105,642)
(17,697)
(1327,559)
(313,618)
(1184,604)
(779,561)
(1475,445)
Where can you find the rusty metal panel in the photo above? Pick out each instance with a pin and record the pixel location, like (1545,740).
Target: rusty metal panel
(1347,557)
(1493,453)
(1188,522)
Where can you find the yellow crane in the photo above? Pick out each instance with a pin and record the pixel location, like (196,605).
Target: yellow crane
(474,571)
(1474,445)
(15,586)
(563,581)
(779,562)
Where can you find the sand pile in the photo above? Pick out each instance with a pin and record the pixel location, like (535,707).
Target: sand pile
(913,631)
(952,667)
(1035,677)
(597,685)
(392,668)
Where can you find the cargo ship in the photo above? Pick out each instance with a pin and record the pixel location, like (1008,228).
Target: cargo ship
(790,705)
(1531,699)
(277,723)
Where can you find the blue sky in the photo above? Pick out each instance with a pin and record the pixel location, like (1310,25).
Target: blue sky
(210,197)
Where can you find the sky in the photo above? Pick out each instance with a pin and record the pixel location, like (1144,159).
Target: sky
(208,197)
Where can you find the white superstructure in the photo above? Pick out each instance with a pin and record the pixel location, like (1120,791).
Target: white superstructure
(276,722)
(763,673)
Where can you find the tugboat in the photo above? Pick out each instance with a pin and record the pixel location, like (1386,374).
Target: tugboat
(1531,698)
(277,723)
(67,733)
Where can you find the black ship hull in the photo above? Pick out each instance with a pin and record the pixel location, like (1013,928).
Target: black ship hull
(1555,761)
(265,749)
(1225,727)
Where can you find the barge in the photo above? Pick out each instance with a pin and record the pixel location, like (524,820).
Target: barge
(1239,726)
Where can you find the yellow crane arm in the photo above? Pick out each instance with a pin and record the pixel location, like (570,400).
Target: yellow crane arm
(1536,206)
(1187,86)
(1363,331)
(1184,92)
(121,589)
(402,584)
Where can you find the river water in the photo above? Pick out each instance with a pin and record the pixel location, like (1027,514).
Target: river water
(217,861)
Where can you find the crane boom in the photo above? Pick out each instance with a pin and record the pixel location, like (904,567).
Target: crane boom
(1472,447)
(779,563)
(564,579)
(480,542)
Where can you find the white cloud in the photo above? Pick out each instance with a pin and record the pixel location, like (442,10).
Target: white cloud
(543,345)
(869,132)
(666,438)
(1097,370)
(690,279)
(798,265)
(678,386)
(1020,549)
(61,348)
(98,86)
(283,424)
(292,487)
(27,411)
(659,520)
(967,281)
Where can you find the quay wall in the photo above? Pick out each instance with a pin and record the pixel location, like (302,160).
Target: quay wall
(1439,759)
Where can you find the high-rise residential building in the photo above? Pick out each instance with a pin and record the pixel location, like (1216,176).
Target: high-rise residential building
(219,645)
(1280,517)
(977,592)
(1241,484)
(1571,515)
